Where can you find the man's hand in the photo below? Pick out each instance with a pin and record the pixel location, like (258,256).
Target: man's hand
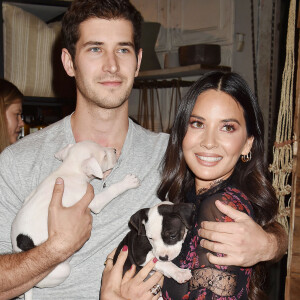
(69,227)
(243,241)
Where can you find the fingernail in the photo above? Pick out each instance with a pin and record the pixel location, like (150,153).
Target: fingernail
(202,243)
(155,259)
(58,180)
(125,248)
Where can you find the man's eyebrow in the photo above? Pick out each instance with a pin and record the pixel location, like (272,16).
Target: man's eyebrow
(92,43)
(96,43)
(130,44)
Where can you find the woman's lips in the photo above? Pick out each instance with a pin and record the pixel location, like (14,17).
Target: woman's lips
(208,159)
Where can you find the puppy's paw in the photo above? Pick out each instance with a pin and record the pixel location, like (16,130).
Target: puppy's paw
(182,275)
(131,181)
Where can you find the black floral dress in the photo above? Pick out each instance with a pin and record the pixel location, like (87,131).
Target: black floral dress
(210,281)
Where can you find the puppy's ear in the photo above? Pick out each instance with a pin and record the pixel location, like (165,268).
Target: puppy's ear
(136,221)
(91,167)
(186,213)
(62,153)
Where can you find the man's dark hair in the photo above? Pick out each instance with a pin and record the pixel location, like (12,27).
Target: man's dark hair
(82,10)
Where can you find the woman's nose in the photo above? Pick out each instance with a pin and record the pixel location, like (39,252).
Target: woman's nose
(209,140)
(20,121)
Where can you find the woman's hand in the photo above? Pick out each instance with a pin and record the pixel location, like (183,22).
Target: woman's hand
(114,287)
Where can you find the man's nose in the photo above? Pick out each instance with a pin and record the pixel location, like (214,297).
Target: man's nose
(111,63)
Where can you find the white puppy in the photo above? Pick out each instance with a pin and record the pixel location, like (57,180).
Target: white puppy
(81,163)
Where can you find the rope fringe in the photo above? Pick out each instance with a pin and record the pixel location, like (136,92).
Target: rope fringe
(282,150)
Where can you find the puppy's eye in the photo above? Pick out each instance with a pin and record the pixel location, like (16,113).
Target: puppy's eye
(150,238)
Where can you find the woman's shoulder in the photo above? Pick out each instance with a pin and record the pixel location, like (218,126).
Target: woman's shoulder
(228,195)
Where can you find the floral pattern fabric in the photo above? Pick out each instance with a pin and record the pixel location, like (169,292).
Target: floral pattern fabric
(210,281)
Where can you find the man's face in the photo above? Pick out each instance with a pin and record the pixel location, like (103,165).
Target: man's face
(105,62)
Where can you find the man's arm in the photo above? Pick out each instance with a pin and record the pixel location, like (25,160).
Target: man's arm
(243,242)
(68,229)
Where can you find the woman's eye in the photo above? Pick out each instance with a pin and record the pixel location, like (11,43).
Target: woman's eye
(228,128)
(196,124)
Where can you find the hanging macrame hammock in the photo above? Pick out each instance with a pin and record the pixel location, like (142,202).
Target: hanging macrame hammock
(282,149)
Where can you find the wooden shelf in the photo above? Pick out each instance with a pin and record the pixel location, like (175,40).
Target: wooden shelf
(192,70)
(47,101)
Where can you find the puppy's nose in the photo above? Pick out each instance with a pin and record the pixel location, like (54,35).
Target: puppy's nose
(164,258)
(115,150)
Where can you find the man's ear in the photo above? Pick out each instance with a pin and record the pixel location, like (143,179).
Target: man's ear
(136,221)
(62,153)
(248,145)
(67,62)
(91,167)
(139,61)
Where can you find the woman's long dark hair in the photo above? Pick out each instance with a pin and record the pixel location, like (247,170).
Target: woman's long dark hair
(250,177)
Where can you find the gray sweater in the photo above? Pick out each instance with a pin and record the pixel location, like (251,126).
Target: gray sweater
(25,164)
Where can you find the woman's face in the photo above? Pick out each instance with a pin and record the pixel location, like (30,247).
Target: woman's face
(216,137)
(14,120)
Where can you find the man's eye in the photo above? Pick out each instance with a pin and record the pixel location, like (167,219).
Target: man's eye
(123,50)
(95,49)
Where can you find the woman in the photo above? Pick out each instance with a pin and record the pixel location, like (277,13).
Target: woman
(11,122)
(216,152)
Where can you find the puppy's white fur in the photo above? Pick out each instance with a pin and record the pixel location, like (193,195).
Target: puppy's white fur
(81,163)
(153,229)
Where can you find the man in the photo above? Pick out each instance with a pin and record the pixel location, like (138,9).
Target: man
(102,52)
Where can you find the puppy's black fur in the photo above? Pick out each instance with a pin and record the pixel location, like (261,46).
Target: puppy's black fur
(176,218)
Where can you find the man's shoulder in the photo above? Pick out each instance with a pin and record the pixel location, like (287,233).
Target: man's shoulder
(49,139)
(146,137)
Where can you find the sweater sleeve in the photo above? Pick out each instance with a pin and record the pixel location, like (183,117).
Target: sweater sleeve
(224,281)
(10,202)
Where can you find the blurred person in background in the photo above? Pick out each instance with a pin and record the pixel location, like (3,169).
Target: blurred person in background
(11,122)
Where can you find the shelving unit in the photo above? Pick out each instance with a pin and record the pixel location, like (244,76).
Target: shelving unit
(50,10)
(178,72)
(54,108)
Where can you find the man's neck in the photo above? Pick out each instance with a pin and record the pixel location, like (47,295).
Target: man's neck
(107,127)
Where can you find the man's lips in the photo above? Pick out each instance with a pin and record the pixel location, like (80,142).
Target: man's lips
(112,83)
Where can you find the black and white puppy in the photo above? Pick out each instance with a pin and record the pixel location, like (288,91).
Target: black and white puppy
(158,232)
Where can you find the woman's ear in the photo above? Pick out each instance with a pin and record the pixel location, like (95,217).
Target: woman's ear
(248,145)
(67,62)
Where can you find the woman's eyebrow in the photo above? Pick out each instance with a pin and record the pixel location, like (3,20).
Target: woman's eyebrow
(197,117)
(224,120)
(231,120)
